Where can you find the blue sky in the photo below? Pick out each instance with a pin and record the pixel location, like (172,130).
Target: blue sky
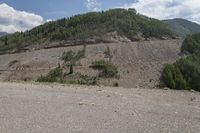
(54,9)
(21,15)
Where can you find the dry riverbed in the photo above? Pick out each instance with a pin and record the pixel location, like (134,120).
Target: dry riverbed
(53,108)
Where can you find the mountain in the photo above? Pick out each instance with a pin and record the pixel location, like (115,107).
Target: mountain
(183,27)
(93,27)
(3,33)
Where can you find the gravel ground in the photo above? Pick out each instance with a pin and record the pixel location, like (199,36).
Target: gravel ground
(53,108)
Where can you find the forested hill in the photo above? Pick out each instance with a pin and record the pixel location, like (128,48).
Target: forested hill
(126,23)
(183,27)
(3,33)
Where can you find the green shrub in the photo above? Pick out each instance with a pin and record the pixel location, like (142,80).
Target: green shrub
(191,44)
(116,84)
(173,78)
(108,53)
(54,75)
(190,68)
(108,70)
(78,78)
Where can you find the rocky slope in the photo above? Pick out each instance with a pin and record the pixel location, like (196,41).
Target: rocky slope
(139,63)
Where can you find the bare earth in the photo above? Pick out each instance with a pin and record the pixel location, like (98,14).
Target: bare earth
(39,108)
(140,63)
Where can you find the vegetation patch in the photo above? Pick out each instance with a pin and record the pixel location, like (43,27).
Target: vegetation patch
(107,69)
(70,58)
(191,44)
(108,53)
(60,74)
(116,84)
(173,77)
(78,78)
(57,75)
(185,73)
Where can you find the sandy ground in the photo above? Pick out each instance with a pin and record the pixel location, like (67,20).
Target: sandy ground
(53,108)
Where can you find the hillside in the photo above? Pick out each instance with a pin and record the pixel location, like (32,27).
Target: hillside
(3,33)
(93,27)
(183,27)
(139,63)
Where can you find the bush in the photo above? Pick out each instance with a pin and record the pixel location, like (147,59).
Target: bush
(173,78)
(116,84)
(54,75)
(77,78)
(108,53)
(108,70)
(190,68)
(191,44)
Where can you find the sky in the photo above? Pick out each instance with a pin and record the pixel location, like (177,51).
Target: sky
(22,15)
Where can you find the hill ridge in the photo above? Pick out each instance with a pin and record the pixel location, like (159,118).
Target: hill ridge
(90,27)
(183,27)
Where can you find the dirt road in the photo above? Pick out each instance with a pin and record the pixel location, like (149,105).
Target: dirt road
(36,108)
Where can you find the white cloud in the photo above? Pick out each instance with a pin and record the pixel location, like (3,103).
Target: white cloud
(93,5)
(50,20)
(12,20)
(166,9)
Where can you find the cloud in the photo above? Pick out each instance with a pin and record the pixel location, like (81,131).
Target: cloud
(93,5)
(166,9)
(50,20)
(12,20)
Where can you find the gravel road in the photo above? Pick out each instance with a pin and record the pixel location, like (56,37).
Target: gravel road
(40,108)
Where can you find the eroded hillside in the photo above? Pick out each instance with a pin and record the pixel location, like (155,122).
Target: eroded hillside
(139,63)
